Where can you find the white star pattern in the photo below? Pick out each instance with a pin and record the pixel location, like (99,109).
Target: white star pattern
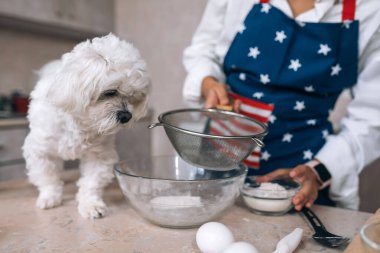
(241,28)
(324,49)
(264,78)
(287,137)
(309,88)
(280,36)
(258,95)
(307,154)
(325,133)
(335,70)
(272,118)
(300,105)
(295,64)
(311,122)
(233,66)
(265,155)
(300,23)
(253,52)
(242,76)
(265,8)
(347,23)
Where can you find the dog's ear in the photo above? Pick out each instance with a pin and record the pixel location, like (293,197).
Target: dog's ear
(75,83)
(141,98)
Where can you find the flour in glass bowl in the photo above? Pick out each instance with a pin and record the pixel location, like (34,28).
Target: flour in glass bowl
(271,190)
(176,202)
(268,198)
(187,211)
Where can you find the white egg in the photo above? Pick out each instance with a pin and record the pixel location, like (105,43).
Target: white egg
(241,247)
(214,237)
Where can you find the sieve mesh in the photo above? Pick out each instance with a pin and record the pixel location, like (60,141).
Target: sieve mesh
(210,138)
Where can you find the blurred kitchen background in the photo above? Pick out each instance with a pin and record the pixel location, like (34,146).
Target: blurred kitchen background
(34,32)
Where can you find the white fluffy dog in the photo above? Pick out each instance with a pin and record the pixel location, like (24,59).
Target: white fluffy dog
(77,107)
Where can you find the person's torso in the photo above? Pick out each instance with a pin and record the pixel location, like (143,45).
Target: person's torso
(324,11)
(300,68)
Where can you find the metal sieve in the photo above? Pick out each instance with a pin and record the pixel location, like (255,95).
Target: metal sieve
(211,138)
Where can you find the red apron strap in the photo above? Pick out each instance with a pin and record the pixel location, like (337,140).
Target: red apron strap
(348,13)
(348,10)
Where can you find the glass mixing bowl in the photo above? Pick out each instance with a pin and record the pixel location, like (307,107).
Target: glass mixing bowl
(172,193)
(370,237)
(271,198)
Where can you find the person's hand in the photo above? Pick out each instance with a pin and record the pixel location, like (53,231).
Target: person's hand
(215,93)
(303,175)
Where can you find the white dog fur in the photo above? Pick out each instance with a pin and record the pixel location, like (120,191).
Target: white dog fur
(78,105)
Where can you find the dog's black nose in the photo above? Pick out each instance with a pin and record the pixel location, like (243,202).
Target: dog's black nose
(123,116)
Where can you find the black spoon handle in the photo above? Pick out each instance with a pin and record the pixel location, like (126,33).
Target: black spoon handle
(313,219)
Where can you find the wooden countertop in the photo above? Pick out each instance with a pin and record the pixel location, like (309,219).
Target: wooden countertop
(25,228)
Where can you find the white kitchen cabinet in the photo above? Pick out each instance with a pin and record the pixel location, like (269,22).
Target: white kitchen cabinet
(11,141)
(75,17)
(12,164)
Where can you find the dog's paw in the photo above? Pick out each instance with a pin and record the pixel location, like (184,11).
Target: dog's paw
(92,210)
(46,201)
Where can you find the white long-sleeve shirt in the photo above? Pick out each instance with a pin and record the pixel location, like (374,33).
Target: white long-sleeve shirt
(357,144)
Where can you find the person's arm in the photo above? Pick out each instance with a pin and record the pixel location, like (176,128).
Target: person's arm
(358,144)
(199,58)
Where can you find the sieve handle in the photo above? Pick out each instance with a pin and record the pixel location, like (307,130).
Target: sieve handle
(154,125)
(259,142)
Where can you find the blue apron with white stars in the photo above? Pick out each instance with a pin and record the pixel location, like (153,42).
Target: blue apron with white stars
(298,68)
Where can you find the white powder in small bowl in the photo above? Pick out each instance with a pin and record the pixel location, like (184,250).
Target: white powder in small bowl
(274,206)
(268,198)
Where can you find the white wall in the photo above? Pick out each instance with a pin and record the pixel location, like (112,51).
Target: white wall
(21,53)
(35,32)
(160,29)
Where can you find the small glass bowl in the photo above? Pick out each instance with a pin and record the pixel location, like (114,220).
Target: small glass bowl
(272,198)
(370,237)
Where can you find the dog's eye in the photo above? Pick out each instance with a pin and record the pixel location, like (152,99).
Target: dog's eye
(110,93)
